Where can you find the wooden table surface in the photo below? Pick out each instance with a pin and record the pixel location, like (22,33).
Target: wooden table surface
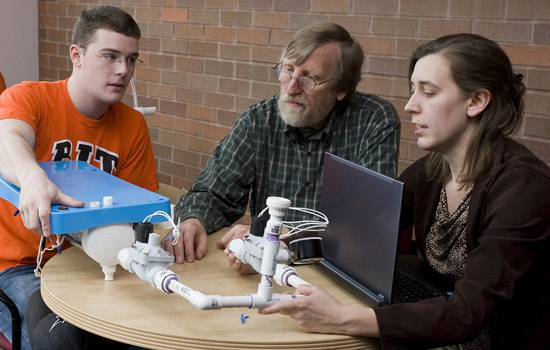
(132,311)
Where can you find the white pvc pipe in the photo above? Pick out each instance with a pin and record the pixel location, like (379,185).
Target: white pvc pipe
(212,302)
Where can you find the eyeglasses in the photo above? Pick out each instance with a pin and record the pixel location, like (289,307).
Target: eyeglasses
(112,58)
(305,83)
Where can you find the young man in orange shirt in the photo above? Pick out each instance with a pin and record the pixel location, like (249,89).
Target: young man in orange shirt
(80,118)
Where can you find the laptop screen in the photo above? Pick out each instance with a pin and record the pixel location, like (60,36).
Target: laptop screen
(360,245)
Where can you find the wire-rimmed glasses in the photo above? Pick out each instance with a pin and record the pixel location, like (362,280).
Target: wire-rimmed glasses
(112,58)
(305,83)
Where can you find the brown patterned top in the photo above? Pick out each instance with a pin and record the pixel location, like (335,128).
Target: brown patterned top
(446,250)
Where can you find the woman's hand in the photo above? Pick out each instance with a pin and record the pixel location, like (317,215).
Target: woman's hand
(318,311)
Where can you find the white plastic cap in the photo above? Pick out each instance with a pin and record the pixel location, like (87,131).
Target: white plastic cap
(109,272)
(107,201)
(277,206)
(154,239)
(278,202)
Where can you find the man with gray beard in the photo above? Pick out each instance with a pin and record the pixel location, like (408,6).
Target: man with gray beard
(276,147)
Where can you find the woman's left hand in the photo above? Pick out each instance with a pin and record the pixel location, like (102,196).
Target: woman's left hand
(318,311)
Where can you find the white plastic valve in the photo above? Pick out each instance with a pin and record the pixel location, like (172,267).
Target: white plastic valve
(146,259)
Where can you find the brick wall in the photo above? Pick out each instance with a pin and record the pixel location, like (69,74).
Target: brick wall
(208,60)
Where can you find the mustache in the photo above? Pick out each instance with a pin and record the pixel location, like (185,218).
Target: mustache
(295,99)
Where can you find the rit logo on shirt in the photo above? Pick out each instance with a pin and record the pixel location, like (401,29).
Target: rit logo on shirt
(86,152)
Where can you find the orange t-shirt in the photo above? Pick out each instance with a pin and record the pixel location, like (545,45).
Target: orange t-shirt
(118,143)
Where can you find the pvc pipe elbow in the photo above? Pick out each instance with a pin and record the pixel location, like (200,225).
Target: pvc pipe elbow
(124,259)
(205,302)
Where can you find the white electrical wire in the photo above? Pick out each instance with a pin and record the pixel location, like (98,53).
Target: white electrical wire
(161,213)
(175,236)
(296,227)
(42,249)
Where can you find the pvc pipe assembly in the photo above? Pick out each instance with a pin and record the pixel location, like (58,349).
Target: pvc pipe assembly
(149,262)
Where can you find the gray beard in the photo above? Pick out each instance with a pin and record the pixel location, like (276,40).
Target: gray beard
(304,116)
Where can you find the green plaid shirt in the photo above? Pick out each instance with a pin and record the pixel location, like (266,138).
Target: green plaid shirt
(262,156)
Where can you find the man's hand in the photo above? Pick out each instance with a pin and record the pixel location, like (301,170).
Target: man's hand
(237,231)
(37,195)
(237,265)
(18,165)
(191,244)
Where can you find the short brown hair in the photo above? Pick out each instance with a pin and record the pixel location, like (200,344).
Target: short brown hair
(103,17)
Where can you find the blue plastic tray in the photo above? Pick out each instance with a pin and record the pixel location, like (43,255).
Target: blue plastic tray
(87,183)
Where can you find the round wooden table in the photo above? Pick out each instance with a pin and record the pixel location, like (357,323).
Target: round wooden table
(132,311)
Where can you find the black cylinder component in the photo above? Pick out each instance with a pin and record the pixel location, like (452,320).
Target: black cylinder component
(143,230)
(306,250)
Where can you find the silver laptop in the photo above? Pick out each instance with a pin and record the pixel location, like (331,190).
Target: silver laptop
(360,244)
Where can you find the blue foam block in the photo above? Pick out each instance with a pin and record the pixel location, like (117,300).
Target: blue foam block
(87,183)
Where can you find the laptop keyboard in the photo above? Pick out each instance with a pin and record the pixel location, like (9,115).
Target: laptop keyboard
(407,290)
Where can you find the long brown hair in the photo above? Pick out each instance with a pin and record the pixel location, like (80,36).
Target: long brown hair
(477,63)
